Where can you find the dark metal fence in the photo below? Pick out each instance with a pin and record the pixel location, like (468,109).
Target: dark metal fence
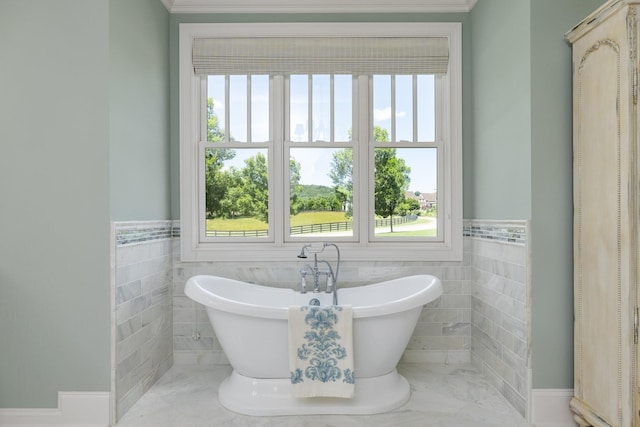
(327,227)
(242,233)
(397,220)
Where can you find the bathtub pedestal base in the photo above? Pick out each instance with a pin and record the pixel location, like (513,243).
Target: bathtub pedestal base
(272,396)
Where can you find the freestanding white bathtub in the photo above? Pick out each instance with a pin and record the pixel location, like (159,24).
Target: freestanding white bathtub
(250,322)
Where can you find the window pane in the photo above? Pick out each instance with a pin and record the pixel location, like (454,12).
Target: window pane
(259,108)
(382,107)
(321,107)
(299,107)
(321,189)
(405,194)
(238,108)
(343,107)
(237,192)
(426,108)
(404,108)
(215,108)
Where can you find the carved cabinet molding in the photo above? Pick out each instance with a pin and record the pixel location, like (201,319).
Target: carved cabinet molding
(605,192)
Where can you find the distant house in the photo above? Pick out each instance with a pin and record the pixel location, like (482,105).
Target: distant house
(426,200)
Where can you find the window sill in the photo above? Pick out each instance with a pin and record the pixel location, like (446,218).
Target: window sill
(239,252)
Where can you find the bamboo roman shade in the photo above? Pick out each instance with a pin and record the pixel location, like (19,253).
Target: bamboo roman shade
(321,55)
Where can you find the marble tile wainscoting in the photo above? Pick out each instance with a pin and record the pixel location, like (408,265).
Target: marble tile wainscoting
(482,317)
(501,309)
(142,315)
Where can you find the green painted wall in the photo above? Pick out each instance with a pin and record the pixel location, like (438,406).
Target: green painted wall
(84,127)
(522,154)
(551,188)
(500,187)
(139,110)
(54,203)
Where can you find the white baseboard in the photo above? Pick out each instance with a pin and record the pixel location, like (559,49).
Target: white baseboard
(550,407)
(89,409)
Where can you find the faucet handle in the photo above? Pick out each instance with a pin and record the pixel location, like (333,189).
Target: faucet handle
(329,287)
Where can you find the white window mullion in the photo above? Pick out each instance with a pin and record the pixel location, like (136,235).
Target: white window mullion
(285,153)
(331,106)
(286,109)
(201,100)
(414,87)
(363,160)
(249,138)
(444,151)
(310,112)
(279,191)
(203,108)
(227,119)
(441,106)
(393,108)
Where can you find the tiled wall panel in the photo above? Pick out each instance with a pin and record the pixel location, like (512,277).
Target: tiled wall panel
(142,263)
(500,307)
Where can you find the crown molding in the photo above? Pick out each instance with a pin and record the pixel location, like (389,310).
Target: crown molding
(315,6)
(168,4)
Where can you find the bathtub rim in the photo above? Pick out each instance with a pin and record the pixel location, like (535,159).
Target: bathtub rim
(195,291)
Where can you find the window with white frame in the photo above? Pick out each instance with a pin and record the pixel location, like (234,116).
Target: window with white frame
(295,133)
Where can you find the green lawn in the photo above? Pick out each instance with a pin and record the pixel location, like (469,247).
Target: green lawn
(308,218)
(304,218)
(399,230)
(412,233)
(237,224)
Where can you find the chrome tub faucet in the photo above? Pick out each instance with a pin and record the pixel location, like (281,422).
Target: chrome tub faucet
(330,274)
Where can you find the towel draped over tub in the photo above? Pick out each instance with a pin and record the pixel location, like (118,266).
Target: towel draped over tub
(321,351)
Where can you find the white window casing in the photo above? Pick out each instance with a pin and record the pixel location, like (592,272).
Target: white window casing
(195,40)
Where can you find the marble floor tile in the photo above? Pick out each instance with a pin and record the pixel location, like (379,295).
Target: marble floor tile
(441,396)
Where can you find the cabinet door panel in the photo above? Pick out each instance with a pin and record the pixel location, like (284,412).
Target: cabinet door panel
(603,224)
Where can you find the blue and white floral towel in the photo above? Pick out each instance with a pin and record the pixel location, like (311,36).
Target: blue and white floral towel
(321,351)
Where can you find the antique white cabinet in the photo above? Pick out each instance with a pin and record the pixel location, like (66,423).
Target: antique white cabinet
(605,176)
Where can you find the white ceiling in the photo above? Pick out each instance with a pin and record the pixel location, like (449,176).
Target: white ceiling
(317,6)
